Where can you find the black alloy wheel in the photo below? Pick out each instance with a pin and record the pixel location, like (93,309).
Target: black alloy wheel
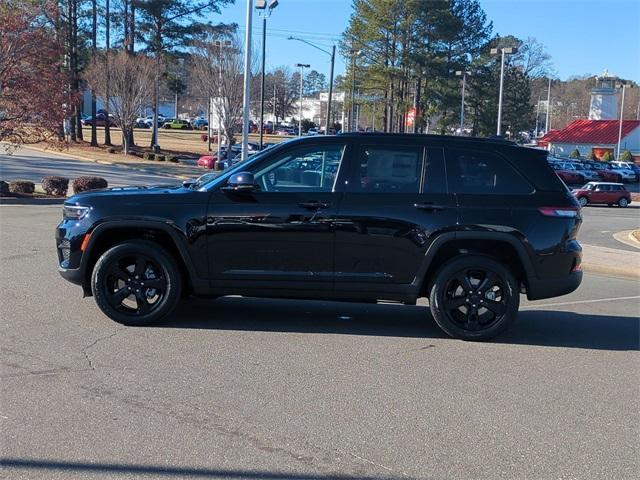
(136,283)
(474,298)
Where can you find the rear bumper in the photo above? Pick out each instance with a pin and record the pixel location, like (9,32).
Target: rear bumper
(553,287)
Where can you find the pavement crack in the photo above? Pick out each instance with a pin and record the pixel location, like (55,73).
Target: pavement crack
(85,350)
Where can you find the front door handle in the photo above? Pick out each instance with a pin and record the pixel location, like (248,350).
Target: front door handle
(313,205)
(429,207)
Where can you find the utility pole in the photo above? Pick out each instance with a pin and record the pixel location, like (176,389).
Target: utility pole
(246,101)
(262,6)
(464,83)
(302,67)
(623,87)
(546,122)
(503,51)
(535,134)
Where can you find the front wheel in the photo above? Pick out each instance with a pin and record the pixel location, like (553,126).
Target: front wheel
(136,283)
(583,201)
(623,202)
(474,298)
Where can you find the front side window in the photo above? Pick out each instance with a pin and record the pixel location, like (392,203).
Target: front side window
(478,172)
(304,169)
(388,169)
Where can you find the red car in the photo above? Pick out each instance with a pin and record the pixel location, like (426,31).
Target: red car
(570,177)
(207,161)
(601,192)
(604,171)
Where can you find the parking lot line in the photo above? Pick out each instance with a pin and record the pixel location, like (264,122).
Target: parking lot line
(596,300)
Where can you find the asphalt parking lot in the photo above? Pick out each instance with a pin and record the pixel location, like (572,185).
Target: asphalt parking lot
(265,389)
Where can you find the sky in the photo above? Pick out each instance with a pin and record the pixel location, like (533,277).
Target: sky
(582,36)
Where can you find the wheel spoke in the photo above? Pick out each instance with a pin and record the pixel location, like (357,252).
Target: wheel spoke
(464,282)
(157,283)
(496,307)
(472,319)
(456,302)
(117,271)
(120,295)
(140,266)
(488,282)
(143,305)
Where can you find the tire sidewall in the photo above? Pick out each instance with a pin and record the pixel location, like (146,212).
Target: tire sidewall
(623,202)
(437,293)
(164,261)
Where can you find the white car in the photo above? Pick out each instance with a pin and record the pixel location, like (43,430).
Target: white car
(312,131)
(624,170)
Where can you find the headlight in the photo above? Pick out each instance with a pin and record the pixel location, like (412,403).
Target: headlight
(74,212)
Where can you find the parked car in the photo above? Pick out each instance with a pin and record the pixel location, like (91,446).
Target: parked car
(207,161)
(601,192)
(568,175)
(200,124)
(604,171)
(304,220)
(178,124)
(100,120)
(629,167)
(587,174)
(140,123)
(312,131)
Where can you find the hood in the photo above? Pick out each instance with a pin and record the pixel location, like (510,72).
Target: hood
(133,194)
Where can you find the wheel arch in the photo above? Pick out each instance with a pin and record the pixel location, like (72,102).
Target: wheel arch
(108,234)
(503,247)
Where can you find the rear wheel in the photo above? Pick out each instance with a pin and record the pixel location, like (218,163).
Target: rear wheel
(136,283)
(583,201)
(474,298)
(623,202)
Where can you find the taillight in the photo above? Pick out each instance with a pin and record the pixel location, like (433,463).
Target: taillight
(562,212)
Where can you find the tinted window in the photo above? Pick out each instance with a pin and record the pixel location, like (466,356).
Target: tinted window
(471,171)
(307,169)
(388,169)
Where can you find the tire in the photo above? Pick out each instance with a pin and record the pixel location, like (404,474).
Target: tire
(623,203)
(583,201)
(121,281)
(448,296)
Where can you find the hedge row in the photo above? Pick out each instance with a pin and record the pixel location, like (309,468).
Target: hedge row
(53,185)
(160,158)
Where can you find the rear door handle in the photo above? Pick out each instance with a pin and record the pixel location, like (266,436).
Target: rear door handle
(313,205)
(429,207)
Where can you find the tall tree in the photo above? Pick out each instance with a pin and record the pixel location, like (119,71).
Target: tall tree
(166,25)
(94,49)
(33,82)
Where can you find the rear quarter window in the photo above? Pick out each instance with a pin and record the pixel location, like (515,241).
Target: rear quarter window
(483,172)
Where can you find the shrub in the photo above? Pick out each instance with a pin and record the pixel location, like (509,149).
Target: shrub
(607,157)
(171,158)
(111,150)
(148,156)
(159,158)
(204,137)
(57,186)
(4,188)
(591,156)
(82,184)
(575,154)
(626,156)
(22,186)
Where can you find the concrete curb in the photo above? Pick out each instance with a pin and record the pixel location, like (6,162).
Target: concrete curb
(627,238)
(31,201)
(611,261)
(106,162)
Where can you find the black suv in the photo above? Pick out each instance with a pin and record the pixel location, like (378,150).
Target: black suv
(469,223)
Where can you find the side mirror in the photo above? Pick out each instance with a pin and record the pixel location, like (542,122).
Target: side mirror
(242,182)
(188,183)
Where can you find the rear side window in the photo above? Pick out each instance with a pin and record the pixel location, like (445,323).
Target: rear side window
(393,169)
(475,171)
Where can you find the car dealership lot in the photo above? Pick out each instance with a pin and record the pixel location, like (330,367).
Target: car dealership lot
(250,388)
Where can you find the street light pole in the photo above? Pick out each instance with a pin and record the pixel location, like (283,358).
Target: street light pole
(246,101)
(262,5)
(332,54)
(353,91)
(546,121)
(623,86)
(503,51)
(464,82)
(302,67)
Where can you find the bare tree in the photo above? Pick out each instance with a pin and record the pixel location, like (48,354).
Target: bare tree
(217,72)
(130,85)
(534,59)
